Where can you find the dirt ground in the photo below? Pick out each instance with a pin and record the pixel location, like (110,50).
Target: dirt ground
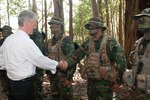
(79,86)
(80,90)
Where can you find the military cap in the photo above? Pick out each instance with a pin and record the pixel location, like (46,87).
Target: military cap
(145,12)
(6,30)
(96,23)
(55,20)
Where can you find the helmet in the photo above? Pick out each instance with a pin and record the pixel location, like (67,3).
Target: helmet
(6,30)
(55,20)
(95,23)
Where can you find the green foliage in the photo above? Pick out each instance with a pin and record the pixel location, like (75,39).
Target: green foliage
(16,6)
(82,15)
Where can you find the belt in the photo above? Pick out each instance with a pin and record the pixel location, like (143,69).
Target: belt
(28,78)
(23,80)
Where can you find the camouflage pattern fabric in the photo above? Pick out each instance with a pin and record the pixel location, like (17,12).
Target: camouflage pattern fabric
(38,38)
(142,68)
(55,20)
(4,83)
(95,23)
(100,89)
(61,82)
(140,55)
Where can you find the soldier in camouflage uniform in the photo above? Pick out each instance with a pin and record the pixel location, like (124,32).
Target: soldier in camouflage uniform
(38,38)
(59,47)
(139,76)
(103,61)
(6,31)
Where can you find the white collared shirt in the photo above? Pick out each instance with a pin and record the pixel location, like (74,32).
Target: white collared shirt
(20,56)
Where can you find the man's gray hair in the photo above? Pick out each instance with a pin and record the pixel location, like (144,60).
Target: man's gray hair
(26,15)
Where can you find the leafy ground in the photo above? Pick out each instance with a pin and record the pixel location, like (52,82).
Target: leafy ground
(79,86)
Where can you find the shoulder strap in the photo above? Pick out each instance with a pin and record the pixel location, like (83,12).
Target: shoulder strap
(136,60)
(103,44)
(49,45)
(58,42)
(137,43)
(147,51)
(91,44)
(102,50)
(64,36)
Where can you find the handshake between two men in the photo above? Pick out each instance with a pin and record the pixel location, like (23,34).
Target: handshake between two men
(63,65)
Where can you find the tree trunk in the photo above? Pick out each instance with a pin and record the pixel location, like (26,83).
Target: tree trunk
(94,8)
(34,7)
(107,17)
(29,3)
(8,12)
(100,8)
(121,23)
(130,28)
(58,10)
(70,20)
(45,3)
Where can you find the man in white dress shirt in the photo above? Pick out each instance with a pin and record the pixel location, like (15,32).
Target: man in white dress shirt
(19,55)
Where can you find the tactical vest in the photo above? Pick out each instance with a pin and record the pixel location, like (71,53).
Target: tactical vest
(97,64)
(55,51)
(143,78)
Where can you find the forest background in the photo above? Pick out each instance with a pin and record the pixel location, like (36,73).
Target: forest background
(117,15)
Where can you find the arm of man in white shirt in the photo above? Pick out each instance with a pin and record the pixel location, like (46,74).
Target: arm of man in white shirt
(41,61)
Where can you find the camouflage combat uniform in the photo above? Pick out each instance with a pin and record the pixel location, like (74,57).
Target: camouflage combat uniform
(59,48)
(6,31)
(38,38)
(98,88)
(139,75)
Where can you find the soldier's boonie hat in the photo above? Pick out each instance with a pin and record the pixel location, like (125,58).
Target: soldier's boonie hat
(96,23)
(6,28)
(55,20)
(145,12)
